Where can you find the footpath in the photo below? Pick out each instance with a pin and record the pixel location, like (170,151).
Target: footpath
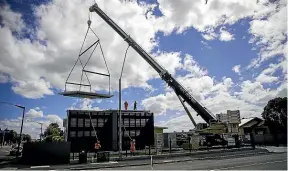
(146,160)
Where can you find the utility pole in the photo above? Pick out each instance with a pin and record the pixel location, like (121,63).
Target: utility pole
(120,122)
(20,137)
(23,114)
(3,138)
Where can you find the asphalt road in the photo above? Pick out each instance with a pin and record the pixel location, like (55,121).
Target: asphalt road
(4,151)
(270,161)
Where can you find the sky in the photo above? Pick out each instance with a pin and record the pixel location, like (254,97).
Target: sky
(230,55)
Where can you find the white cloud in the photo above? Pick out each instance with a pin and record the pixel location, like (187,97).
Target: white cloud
(206,44)
(31,89)
(270,34)
(209,36)
(63,32)
(263,78)
(226,36)
(34,113)
(84,104)
(31,122)
(3,78)
(193,67)
(11,19)
(236,69)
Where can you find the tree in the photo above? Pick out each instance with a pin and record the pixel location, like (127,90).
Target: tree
(275,115)
(53,133)
(26,138)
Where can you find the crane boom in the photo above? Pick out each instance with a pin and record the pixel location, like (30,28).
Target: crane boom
(164,74)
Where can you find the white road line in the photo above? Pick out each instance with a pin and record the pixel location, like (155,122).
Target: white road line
(35,167)
(10,168)
(112,162)
(253,164)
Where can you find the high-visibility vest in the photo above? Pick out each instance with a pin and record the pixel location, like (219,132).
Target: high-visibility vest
(97,146)
(132,146)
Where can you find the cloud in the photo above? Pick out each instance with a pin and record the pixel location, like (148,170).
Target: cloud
(48,64)
(190,65)
(12,20)
(209,36)
(33,90)
(31,122)
(270,34)
(206,44)
(84,104)
(236,69)
(226,36)
(34,113)
(3,78)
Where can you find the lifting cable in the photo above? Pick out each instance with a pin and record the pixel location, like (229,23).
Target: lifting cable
(120,78)
(93,126)
(96,43)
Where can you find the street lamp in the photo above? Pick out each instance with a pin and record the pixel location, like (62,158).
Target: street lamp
(120,114)
(20,137)
(40,123)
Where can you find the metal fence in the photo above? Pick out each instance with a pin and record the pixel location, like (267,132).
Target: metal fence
(179,145)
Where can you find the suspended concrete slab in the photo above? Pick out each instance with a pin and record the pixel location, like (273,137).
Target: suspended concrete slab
(88,95)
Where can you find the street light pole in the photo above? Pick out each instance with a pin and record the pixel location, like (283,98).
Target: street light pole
(120,122)
(120,114)
(23,114)
(20,137)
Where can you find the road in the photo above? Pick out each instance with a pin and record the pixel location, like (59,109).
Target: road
(4,151)
(270,161)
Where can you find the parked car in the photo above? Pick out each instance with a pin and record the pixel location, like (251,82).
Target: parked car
(14,150)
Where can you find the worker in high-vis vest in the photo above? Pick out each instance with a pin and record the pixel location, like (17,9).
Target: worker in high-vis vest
(97,148)
(132,147)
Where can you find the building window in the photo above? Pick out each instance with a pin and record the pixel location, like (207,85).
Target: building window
(93,133)
(143,122)
(87,133)
(72,134)
(100,122)
(87,123)
(73,122)
(94,122)
(138,122)
(80,122)
(132,133)
(137,132)
(80,133)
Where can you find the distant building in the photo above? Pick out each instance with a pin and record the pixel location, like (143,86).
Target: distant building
(222,117)
(233,116)
(234,120)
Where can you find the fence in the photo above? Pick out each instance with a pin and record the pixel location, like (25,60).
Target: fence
(180,145)
(270,139)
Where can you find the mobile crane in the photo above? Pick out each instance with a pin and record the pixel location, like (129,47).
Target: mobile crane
(181,92)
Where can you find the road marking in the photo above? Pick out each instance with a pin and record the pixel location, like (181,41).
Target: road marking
(10,168)
(253,164)
(35,167)
(112,162)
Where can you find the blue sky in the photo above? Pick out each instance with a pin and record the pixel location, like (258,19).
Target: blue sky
(213,58)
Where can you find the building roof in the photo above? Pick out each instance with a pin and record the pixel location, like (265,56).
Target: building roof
(244,121)
(247,120)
